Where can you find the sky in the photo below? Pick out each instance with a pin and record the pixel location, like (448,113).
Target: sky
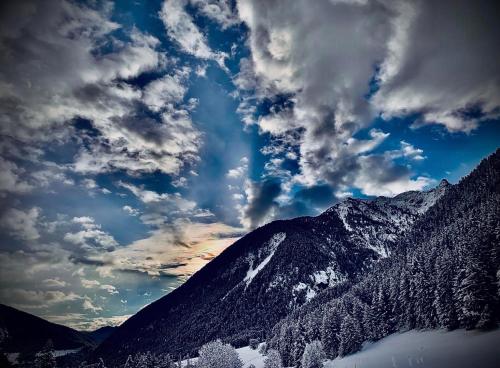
(140,139)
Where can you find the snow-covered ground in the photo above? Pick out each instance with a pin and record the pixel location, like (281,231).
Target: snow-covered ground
(420,349)
(247,356)
(429,349)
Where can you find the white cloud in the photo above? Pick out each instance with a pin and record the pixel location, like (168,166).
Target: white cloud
(91,238)
(440,63)
(240,171)
(21,224)
(81,322)
(330,103)
(179,249)
(167,91)
(149,197)
(220,11)
(94,284)
(89,183)
(181,28)
(131,211)
(78,79)
(36,299)
(55,282)
(409,151)
(11,178)
(89,305)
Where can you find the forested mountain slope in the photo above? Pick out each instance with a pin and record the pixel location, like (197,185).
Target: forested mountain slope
(22,332)
(269,273)
(444,273)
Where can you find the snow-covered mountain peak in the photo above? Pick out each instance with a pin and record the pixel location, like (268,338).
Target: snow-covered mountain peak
(377,223)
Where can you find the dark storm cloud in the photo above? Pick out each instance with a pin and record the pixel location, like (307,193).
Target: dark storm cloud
(262,201)
(319,195)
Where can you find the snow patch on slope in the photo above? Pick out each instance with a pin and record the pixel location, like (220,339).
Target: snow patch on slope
(319,280)
(273,244)
(429,349)
(310,292)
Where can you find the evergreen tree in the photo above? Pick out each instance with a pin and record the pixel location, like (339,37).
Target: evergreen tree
(405,301)
(254,344)
(475,291)
(299,343)
(46,357)
(313,355)
(216,354)
(444,300)
(273,359)
(350,336)
(330,330)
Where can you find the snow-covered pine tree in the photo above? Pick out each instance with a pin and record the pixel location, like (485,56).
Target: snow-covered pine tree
(313,356)
(253,343)
(330,329)
(475,290)
(273,359)
(405,301)
(350,336)
(299,342)
(216,354)
(444,302)
(425,294)
(46,357)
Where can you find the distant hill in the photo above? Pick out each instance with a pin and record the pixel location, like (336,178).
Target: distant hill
(26,333)
(100,334)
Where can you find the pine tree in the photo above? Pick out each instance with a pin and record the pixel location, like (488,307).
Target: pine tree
(313,355)
(254,344)
(330,330)
(444,300)
(46,357)
(299,343)
(405,301)
(350,336)
(425,293)
(475,291)
(273,359)
(216,354)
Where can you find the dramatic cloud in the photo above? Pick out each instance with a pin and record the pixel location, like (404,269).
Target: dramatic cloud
(328,68)
(181,28)
(179,249)
(91,237)
(79,78)
(261,198)
(10,178)
(442,63)
(133,153)
(220,11)
(240,171)
(20,224)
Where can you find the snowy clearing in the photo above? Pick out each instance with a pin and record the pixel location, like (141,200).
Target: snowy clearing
(429,349)
(247,356)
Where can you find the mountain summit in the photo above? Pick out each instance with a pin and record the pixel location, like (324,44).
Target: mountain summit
(270,272)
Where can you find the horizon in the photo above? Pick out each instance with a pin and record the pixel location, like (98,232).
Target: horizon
(345,199)
(140,140)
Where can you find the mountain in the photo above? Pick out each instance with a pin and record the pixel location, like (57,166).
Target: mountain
(444,274)
(25,333)
(269,273)
(100,334)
